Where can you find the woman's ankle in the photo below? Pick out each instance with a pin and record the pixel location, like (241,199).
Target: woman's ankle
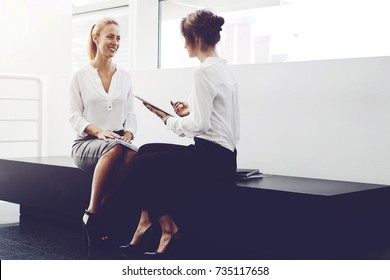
(141,229)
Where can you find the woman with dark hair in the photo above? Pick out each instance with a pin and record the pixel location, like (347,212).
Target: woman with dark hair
(169,175)
(101,112)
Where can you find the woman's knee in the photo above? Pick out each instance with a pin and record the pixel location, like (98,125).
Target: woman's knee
(128,157)
(146,148)
(115,153)
(158,147)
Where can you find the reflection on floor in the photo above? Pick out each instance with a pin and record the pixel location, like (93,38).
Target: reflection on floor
(31,239)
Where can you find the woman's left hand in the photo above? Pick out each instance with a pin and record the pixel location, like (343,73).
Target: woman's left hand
(158,113)
(127,136)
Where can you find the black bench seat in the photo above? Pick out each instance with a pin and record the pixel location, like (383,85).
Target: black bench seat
(283,216)
(45,187)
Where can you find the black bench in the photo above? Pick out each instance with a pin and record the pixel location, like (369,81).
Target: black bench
(272,217)
(51,188)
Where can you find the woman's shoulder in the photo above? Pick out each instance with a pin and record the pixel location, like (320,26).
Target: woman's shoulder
(123,73)
(82,70)
(212,61)
(214,70)
(199,73)
(208,66)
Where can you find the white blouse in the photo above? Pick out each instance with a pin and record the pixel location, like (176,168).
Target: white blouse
(91,104)
(214,109)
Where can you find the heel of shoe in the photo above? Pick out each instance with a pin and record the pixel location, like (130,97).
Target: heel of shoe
(147,242)
(170,251)
(86,242)
(86,239)
(93,232)
(86,236)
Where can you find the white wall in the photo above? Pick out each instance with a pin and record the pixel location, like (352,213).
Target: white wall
(59,135)
(319,119)
(36,40)
(36,36)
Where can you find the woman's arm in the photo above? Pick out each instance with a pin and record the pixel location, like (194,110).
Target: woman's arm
(76,119)
(197,122)
(194,121)
(130,124)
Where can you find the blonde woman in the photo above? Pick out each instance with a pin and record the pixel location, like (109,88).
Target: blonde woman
(101,104)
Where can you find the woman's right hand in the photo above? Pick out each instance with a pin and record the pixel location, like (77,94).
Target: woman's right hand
(181,108)
(107,134)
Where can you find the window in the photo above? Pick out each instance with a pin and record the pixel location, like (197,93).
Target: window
(279,31)
(88,12)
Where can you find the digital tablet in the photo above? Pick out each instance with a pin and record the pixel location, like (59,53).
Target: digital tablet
(154,106)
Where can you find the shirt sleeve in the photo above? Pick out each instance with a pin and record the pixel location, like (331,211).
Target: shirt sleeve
(201,107)
(131,118)
(76,118)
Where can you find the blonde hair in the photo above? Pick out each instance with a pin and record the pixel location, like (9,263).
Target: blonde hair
(96,30)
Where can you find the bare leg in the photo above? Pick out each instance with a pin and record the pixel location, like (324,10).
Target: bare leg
(168,228)
(121,172)
(102,177)
(144,223)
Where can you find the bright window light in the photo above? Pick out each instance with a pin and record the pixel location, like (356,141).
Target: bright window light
(266,31)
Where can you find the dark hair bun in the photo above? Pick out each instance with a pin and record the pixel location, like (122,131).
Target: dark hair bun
(219,21)
(204,24)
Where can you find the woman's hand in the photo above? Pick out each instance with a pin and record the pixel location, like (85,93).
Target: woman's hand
(159,113)
(104,135)
(181,108)
(127,136)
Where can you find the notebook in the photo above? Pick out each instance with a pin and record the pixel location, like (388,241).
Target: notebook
(247,173)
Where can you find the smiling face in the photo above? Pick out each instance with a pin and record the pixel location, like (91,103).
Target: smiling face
(108,40)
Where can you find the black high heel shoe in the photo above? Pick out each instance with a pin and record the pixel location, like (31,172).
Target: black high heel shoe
(148,241)
(94,234)
(170,250)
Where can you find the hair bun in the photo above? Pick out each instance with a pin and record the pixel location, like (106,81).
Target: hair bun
(202,23)
(219,20)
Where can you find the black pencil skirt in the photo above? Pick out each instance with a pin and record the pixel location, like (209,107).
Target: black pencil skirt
(170,178)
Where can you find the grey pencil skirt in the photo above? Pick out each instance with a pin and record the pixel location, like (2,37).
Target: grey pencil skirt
(86,152)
